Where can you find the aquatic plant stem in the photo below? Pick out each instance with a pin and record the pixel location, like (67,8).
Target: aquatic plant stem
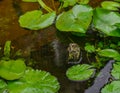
(43,5)
(53,3)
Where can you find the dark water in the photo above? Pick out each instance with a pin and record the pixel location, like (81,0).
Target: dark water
(46,47)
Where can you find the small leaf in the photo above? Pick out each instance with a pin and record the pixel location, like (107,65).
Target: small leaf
(89,48)
(116,70)
(110,5)
(107,22)
(113,87)
(109,53)
(77,19)
(2,84)
(35,81)
(34,20)
(7,49)
(12,69)
(67,3)
(83,1)
(80,72)
(30,0)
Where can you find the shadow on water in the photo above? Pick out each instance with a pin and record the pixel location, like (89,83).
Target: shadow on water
(48,50)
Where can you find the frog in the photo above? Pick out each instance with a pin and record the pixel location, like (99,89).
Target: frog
(74,53)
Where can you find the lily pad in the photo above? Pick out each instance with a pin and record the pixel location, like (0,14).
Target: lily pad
(113,87)
(30,0)
(12,69)
(80,72)
(67,3)
(77,19)
(110,5)
(110,53)
(35,20)
(116,70)
(107,22)
(35,81)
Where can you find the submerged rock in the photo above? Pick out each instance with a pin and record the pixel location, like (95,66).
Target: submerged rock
(102,79)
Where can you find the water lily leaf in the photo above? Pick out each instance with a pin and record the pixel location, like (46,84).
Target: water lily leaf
(110,5)
(116,70)
(12,69)
(105,21)
(109,53)
(80,72)
(67,3)
(77,19)
(113,87)
(35,20)
(30,0)
(35,81)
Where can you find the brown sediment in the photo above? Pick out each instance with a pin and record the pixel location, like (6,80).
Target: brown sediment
(10,30)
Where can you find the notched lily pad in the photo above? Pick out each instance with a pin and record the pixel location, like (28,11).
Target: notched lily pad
(116,70)
(35,20)
(12,69)
(80,72)
(35,81)
(107,22)
(113,87)
(77,19)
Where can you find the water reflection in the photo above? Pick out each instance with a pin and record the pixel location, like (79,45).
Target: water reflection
(52,57)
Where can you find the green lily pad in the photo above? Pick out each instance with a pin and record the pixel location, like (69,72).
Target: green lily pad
(35,81)
(113,87)
(35,20)
(110,53)
(67,3)
(110,5)
(107,22)
(12,69)
(116,70)
(77,19)
(80,72)
(30,0)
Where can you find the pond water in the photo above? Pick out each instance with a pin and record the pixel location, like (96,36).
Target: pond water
(47,47)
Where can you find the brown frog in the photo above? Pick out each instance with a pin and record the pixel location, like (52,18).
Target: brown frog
(74,53)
